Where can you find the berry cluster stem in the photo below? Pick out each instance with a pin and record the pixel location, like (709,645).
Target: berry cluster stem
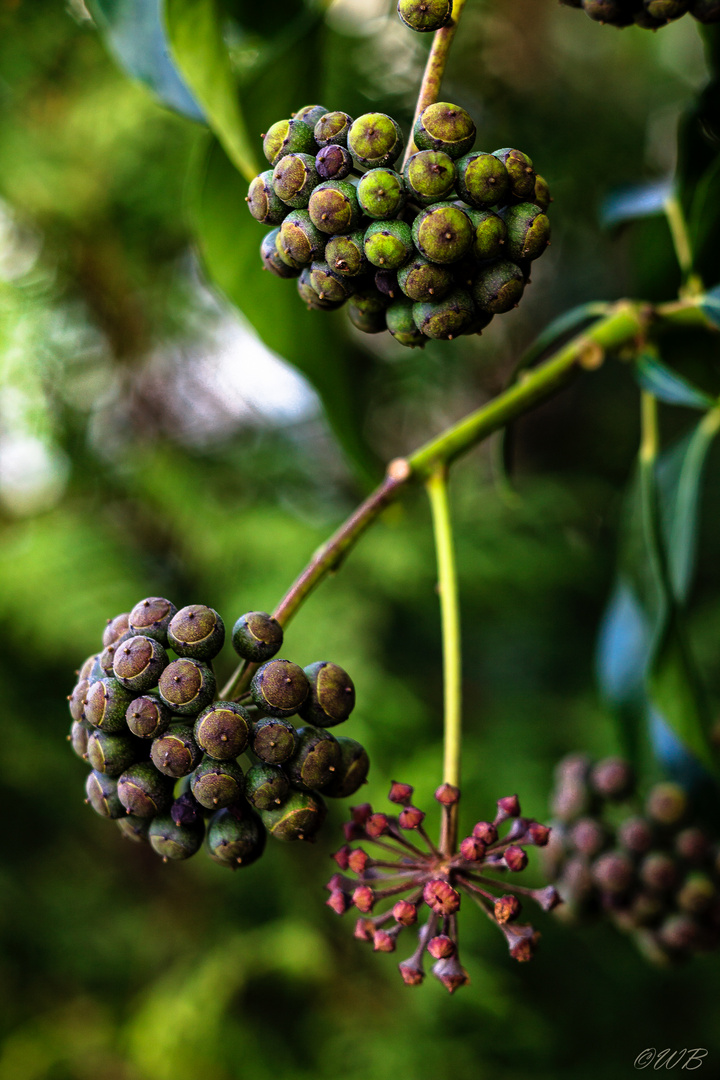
(624,324)
(692,285)
(437,489)
(435,69)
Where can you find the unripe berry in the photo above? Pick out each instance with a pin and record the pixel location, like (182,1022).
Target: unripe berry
(388,244)
(499,287)
(482,180)
(114,630)
(331,696)
(490,234)
(299,818)
(172,841)
(346,254)
(216,784)
(77,699)
(310,296)
(143,791)
(401,324)
(266,786)
(381,193)
(235,836)
(425,16)
(328,284)
(520,170)
(78,738)
(257,636)
(445,318)
(102,794)
(423,280)
(196,631)
(263,202)
(367,312)
(175,753)
(659,871)
(279,688)
(134,828)
(310,114)
(332,129)
(151,617)
(528,234)
(273,740)
(148,716)
(443,233)
(666,803)
(446,127)
(334,208)
(271,259)
(541,196)
(374,139)
(430,176)
(613,872)
(298,241)
(223,730)
(333,162)
(139,662)
(107,701)
(316,759)
(351,772)
(293,180)
(111,754)
(288,137)
(187,686)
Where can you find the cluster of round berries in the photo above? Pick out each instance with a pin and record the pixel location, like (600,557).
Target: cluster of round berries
(425,15)
(430,252)
(656,874)
(652,14)
(164,753)
(435,880)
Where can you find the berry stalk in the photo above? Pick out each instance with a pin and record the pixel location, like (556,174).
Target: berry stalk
(435,69)
(437,489)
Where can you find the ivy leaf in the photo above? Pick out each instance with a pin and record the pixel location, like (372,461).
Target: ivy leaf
(136,36)
(195,32)
(710,304)
(316,342)
(638,201)
(666,385)
(677,697)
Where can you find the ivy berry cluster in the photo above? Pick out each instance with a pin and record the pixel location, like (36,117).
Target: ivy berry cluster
(651,14)
(433,251)
(655,872)
(164,752)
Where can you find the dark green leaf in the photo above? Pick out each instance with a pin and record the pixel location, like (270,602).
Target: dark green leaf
(316,342)
(195,32)
(668,386)
(675,693)
(135,34)
(710,304)
(628,204)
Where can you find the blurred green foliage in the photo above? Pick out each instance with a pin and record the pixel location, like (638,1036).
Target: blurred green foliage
(130,465)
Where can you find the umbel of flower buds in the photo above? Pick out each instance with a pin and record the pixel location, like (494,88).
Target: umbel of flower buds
(417,885)
(429,249)
(173,765)
(646,866)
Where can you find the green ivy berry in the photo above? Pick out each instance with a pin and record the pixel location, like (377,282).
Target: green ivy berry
(293,180)
(367,312)
(173,841)
(381,193)
(266,786)
(332,129)
(421,279)
(401,324)
(333,162)
(187,686)
(298,241)
(528,231)
(151,617)
(482,180)
(332,694)
(288,137)
(315,761)
(257,636)
(134,828)
(235,836)
(299,818)
(77,699)
(445,319)
(271,260)
(388,244)
(328,284)
(175,753)
(608,11)
(216,784)
(334,208)
(102,795)
(311,297)
(520,170)
(310,114)
(374,140)
(541,196)
(106,703)
(444,126)
(114,629)
(111,754)
(196,631)
(346,254)
(273,740)
(139,663)
(424,16)
(78,738)
(352,771)
(490,233)
(86,670)
(279,688)
(263,202)
(499,287)
(223,730)
(430,176)
(442,233)
(143,791)
(148,716)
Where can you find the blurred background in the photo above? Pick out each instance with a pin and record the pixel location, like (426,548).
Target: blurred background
(151,443)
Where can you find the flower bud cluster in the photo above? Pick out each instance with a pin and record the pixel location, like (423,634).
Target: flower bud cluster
(652,870)
(651,14)
(430,249)
(418,884)
(164,752)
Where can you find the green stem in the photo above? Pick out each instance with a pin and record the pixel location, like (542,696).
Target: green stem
(437,489)
(435,69)
(692,285)
(623,324)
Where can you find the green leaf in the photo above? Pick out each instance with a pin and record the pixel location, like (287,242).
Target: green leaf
(638,201)
(680,473)
(666,385)
(195,32)
(710,304)
(136,36)
(316,342)
(675,693)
